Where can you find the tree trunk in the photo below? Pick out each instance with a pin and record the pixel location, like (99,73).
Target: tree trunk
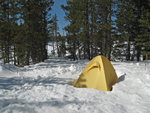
(128,50)
(138,53)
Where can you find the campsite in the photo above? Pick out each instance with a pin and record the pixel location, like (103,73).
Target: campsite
(75,56)
(44,88)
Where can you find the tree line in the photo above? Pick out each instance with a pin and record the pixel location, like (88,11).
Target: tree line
(23,30)
(117,29)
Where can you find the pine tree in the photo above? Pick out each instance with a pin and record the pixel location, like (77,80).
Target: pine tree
(8,21)
(5,37)
(53,31)
(143,38)
(105,10)
(35,36)
(90,29)
(73,14)
(94,26)
(23,30)
(126,21)
(61,46)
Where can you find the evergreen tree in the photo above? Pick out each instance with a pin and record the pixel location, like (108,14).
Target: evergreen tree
(23,30)
(90,28)
(8,22)
(53,31)
(126,21)
(73,15)
(5,37)
(105,29)
(61,46)
(143,38)
(35,36)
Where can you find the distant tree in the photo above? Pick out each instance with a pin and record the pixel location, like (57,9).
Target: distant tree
(53,31)
(61,46)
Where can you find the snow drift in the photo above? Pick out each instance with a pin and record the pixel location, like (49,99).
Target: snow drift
(43,88)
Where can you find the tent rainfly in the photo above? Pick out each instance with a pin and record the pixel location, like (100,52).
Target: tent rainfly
(98,74)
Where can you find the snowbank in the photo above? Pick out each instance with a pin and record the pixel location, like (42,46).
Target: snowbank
(43,88)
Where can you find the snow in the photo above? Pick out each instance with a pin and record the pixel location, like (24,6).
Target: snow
(44,88)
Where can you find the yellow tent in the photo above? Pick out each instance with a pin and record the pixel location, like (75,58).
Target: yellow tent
(98,74)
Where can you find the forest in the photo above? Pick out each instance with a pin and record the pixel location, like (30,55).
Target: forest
(117,29)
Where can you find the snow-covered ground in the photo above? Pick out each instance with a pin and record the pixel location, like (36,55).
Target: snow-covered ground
(44,88)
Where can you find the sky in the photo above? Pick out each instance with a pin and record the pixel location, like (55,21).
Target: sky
(56,9)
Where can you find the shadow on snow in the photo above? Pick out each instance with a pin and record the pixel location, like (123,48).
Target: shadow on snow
(10,83)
